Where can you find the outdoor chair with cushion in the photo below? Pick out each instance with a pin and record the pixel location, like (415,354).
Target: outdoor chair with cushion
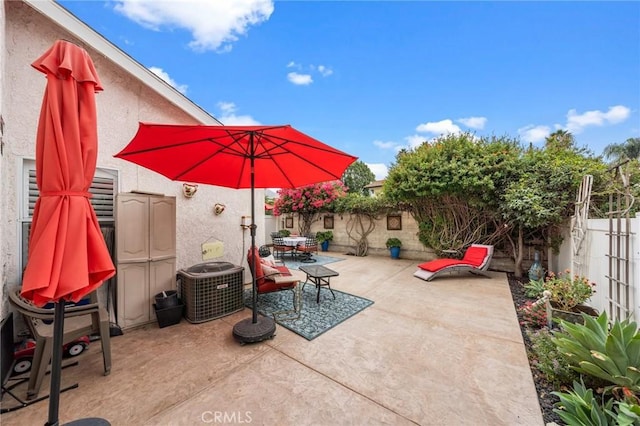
(476,260)
(307,248)
(79,320)
(280,248)
(272,276)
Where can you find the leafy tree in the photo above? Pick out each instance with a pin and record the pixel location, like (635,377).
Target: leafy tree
(630,149)
(363,212)
(560,139)
(357,176)
(308,201)
(452,186)
(543,195)
(463,189)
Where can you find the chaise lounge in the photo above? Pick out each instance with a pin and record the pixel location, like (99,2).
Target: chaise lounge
(476,260)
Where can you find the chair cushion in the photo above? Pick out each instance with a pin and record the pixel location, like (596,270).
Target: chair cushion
(438,264)
(475,255)
(269,271)
(268,260)
(253,253)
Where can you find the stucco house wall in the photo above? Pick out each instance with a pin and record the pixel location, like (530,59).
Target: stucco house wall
(3,194)
(126,100)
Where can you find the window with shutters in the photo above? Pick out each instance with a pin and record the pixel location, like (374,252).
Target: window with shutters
(103,190)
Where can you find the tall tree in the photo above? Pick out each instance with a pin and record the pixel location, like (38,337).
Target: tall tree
(617,151)
(560,139)
(308,201)
(357,176)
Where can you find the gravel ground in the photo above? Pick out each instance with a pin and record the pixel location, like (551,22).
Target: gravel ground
(544,388)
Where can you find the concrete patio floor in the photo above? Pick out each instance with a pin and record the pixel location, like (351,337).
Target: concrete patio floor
(448,352)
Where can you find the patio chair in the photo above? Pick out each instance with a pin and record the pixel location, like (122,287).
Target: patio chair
(280,248)
(79,320)
(306,249)
(476,260)
(271,276)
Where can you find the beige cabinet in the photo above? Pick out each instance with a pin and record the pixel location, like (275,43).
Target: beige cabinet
(146,254)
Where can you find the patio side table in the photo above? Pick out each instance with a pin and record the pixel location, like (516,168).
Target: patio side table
(320,276)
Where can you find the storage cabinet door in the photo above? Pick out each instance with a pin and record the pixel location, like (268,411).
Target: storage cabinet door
(132,228)
(133,294)
(162,222)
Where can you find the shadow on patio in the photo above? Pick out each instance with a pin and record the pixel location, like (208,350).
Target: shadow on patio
(447,352)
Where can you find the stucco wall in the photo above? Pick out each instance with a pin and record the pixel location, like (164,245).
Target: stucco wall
(3,160)
(124,102)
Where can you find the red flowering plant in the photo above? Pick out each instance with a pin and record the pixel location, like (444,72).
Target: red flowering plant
(308,201)
(533,314)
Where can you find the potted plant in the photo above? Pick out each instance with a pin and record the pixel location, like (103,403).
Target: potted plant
(394,244)
(566,295)
(323,238)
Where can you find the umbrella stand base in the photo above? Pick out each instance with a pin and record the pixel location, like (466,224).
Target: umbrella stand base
(246,331)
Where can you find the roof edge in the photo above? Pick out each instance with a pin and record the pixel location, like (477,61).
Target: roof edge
(82,31)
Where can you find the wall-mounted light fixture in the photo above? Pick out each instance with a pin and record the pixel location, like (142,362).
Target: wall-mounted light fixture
(189,190)
(218,208)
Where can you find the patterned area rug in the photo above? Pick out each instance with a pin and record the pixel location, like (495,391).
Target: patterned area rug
(320,260)
(315,318)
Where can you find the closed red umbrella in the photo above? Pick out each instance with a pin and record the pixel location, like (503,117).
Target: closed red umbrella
(237,157)
(68,257)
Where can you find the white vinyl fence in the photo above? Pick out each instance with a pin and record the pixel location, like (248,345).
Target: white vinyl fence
(597,263)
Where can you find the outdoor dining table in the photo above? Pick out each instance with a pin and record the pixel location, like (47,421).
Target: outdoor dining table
(293,241)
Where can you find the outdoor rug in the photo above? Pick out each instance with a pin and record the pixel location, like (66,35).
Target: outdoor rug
(320,260)
(315,318)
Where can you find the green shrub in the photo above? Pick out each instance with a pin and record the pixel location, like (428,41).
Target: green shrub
(568,292)
(580,407)
(612,354)
(549,360)
(323,236)
(534,288)
(393,242)
(628,414)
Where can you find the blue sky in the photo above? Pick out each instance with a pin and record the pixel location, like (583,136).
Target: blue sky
(371,78)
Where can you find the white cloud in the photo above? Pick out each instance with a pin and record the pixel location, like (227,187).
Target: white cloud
(324,71)
(439,127)
(214,25)
(577,122)
(228,116)
(299,79)
(385,145)
(415,141)
(473,122)
(378,169)
(304,78)
(182,88)
(533,133)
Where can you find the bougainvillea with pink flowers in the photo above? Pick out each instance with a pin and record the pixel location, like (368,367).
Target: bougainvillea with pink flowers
(308,201)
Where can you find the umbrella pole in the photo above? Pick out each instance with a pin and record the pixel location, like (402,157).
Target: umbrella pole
(254,285)
(254,329)
(56,363)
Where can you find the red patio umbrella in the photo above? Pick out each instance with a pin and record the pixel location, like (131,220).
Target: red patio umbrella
(237,157)
(68,257)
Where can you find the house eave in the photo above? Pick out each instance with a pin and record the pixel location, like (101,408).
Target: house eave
(80,30)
